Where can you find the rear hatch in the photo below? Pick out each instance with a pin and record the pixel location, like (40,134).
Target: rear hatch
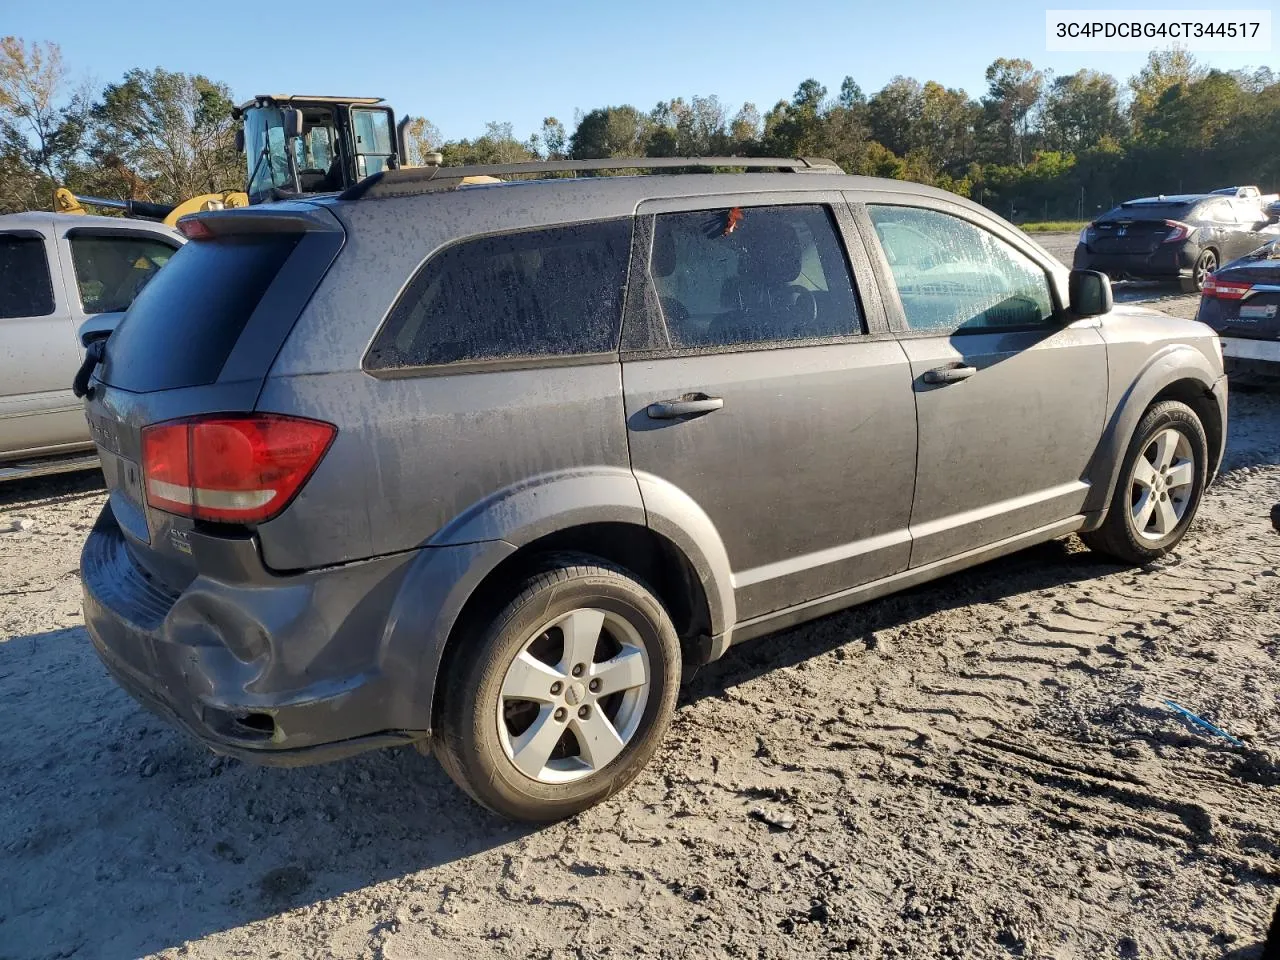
(1243,298)
(197,343)
(1136,229)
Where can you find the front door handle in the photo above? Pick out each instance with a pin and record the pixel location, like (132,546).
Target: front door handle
(949,374)
(690,405)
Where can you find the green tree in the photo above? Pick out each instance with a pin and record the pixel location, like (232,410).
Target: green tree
(610,132)
(42,124)
(894,112)
(555,142)
(794,128)
(167,136)
(945,127)
(744,130)
(497,144)
(1014,88)
(1080,109)
(1164,69)
(421,138)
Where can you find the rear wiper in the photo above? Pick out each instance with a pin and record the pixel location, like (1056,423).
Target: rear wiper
(93,355)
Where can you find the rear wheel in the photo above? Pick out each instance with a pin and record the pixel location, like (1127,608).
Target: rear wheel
(564,697)
(1160,487)
(1205,264)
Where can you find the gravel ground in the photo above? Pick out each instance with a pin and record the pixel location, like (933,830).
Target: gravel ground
(983,768)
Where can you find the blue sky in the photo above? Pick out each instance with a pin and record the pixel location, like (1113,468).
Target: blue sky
(462,64)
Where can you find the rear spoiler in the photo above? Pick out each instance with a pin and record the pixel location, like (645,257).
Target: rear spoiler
(278,218)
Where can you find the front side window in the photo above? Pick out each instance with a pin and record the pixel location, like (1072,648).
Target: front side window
(25,287)
(111,271)
(538,293)
(752,275)
(953,276)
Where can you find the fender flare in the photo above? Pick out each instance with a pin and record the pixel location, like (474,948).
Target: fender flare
(454,562)
(1169,365)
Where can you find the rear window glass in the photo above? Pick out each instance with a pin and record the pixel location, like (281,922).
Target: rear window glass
(25,288)
(538,293)
(183,326)
(112,270)
(1150,211)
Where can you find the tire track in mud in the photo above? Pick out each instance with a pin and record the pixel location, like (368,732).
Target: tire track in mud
(1045,705)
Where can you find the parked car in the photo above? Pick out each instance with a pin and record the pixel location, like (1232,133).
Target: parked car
(56,272)
(1240,301)
(489,468)
(1181,237)
(1244,193)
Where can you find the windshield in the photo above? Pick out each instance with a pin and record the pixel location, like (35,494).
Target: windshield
(264,150)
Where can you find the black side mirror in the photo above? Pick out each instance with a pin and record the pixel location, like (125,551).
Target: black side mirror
(1090,293)
(240,141)
(292,122)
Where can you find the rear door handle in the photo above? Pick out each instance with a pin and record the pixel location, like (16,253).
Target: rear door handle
(949,374)
(690,405)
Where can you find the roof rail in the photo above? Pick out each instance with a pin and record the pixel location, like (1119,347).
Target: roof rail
(412,180)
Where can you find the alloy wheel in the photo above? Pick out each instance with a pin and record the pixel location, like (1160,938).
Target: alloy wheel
(1161,485)
(573,697)
(1204,266)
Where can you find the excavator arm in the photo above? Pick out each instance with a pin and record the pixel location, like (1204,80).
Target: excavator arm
(64,201)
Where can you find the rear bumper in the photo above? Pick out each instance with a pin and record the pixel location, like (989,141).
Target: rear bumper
(1165,263)
(287,671)
(1251,359)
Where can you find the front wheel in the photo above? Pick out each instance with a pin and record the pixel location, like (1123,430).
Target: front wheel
(1160,487)
(564,697)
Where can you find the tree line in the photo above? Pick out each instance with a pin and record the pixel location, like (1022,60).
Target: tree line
(1032,146)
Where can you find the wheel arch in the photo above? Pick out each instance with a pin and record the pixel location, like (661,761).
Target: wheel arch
(1177,372)
(672,547)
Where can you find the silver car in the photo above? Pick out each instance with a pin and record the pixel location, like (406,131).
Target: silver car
(490,467)
(58,271)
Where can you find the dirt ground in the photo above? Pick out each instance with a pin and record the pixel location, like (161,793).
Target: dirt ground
(984,767)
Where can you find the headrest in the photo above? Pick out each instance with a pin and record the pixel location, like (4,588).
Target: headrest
(662,262)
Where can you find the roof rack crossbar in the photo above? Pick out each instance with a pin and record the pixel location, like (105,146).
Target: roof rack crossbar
(406,179)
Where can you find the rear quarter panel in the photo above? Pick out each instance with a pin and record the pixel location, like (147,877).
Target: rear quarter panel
(415,452)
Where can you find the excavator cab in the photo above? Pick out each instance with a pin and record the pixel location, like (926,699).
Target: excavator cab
(307,144)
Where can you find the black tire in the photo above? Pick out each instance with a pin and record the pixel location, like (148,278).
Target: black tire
(1205,264)
(466,739)
(1118,535)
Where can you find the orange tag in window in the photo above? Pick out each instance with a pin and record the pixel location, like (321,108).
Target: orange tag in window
(731,223)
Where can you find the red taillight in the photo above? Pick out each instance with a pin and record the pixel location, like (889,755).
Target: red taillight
(237,469)
(1178,231)
(1225,289)
(194,229)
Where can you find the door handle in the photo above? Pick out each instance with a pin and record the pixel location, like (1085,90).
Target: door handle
(690,405)
(942,375)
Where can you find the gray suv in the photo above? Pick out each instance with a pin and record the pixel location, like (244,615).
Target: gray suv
(488,466)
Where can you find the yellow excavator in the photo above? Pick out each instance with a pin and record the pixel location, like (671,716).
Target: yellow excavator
(294,145)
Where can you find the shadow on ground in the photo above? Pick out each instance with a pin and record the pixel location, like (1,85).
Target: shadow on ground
(48,489)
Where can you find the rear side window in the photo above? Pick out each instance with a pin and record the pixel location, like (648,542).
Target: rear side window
(752,275)
(538,293)
(182,327)
(25,287)
(111,271)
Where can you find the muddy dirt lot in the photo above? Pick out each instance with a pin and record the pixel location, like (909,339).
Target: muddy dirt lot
(984,767)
